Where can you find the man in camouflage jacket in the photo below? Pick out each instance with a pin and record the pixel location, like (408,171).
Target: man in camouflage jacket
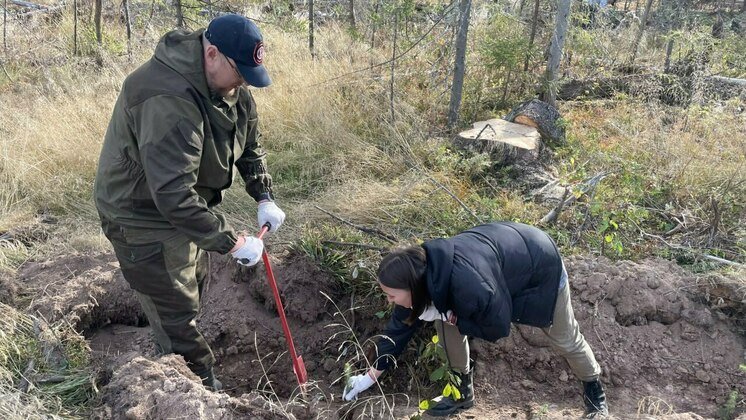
(183,121)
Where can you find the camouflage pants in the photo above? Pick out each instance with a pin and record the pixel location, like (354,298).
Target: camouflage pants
(166,270)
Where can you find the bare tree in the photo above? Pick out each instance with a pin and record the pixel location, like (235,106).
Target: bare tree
(555,51)
(459,67)
(75,27)
(179,14)
(351,17)
(638,37)
(534,21)
(310,27)
(128,26)
(5,27)
(97,20)
(393,63)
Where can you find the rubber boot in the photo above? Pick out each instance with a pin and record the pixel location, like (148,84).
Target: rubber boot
(595,400)
(448,405)
(210,382)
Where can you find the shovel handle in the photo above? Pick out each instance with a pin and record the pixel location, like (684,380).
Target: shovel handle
(264,230)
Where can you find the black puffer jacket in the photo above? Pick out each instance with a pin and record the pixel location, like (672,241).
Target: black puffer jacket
(488,276)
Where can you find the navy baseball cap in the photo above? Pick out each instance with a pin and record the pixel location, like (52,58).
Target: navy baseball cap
(240,39)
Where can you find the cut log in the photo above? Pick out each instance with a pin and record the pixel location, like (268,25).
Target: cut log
(542,116)
(505,141)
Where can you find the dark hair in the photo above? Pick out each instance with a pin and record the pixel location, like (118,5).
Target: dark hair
(404,268)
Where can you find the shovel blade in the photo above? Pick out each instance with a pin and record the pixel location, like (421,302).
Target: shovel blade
(300,370)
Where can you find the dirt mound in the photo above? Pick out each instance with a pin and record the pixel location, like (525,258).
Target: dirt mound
(664,347)
(240,322)
(166,388)
(87,290)
(659,349)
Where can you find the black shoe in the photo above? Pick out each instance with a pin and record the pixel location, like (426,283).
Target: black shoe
(210,382)
(448,405)
(595,400)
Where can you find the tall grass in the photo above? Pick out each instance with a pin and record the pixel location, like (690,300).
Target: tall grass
(43,368)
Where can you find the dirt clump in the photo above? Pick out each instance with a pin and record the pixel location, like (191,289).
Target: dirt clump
(653,341)
(165,388)
(87,290)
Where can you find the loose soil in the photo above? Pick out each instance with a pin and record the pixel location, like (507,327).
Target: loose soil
(669,343)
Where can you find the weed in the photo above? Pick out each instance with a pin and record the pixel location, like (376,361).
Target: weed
(728,409)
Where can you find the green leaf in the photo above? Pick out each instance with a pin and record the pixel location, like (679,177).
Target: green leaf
(456,393)
(608,239)
(447,390)
(437,374)
(435,339)
(424,404)
(743,368)
(381,314)
(613,223)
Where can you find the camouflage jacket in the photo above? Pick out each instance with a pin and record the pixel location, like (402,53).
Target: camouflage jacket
(172,145)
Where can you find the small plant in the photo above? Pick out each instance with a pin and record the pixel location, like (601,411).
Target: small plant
(728,409)
(435,354)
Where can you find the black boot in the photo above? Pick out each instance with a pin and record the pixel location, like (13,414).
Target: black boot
(210,382)
(449,405)
(595,400)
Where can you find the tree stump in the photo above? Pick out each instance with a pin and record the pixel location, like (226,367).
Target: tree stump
(542,116)
(505,141)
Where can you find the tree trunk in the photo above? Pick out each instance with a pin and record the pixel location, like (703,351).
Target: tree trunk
(373,29)
(128,26)
(542,116)
(555,51)
(460,63)
(5,27)
(638,37)
(310,27)
(505,87)
(97,20)
(534,22)
(520,8)
(352,14)
(504,141)
(75,27)
(393,65)
(179,14)
(626,6)
(669,50)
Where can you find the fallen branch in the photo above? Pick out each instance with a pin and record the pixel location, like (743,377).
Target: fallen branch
(693,251)
(458,200)
(723,261)
(39,11)
(373,231)
(553,214)
(28,4)
(355,245)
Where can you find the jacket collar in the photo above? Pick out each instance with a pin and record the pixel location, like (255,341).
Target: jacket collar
(439,266)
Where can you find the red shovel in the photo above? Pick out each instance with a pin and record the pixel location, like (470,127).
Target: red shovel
(298,367)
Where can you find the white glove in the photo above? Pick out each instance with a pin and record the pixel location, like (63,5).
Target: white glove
(268,212)
(431,313)
(250,252)
(356,385)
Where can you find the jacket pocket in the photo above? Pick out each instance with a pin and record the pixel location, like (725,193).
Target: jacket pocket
(144,267)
